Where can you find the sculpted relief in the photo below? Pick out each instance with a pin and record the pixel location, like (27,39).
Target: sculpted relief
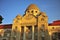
(28,19)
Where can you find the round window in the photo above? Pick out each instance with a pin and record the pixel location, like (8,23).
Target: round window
(28,11)
(32,11)
(36,11)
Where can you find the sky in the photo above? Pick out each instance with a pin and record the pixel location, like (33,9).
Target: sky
(9,9)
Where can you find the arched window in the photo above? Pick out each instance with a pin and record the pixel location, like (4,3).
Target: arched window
(32,11)
(36,11)
(42,19)
(28,11)
(43,27)
(16,28)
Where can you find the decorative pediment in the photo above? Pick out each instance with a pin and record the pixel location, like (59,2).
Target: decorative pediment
(28,16)
(42,17)
(18,16)
(17,19)
(28,19)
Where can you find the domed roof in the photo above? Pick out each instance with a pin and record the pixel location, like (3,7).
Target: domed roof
(33,6)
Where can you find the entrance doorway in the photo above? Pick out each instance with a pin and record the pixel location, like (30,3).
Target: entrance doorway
(29,35)
(56,36)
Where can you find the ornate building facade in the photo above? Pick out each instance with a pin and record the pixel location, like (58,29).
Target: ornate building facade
(33,25)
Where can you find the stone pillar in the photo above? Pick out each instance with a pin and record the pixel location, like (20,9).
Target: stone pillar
(18,36)
(50,37)
(38,33)
(20,33)
(32,32)
(24,33)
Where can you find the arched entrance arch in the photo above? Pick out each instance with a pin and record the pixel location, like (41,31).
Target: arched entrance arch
(55,36)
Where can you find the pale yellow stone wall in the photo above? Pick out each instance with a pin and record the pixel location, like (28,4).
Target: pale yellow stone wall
(53,29)
(2,32)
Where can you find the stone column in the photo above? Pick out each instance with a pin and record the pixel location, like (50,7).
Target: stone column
(20,33)
(24,33)
(50,37)
(39,33)
(32,32)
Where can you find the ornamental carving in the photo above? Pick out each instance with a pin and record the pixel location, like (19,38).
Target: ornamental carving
(28,17)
